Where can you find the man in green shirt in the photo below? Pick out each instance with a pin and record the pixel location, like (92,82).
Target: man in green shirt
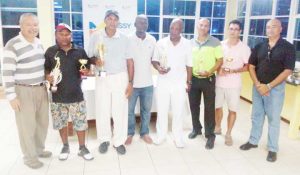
(207,58)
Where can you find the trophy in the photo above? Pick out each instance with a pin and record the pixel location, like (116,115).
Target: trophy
(101,50)
(57,75)
(227,64)
(164,61)
(83,62)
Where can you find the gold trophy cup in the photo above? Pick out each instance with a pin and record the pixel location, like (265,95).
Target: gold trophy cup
(101,50)
(227,64)
(83,62)
(164,61)
(57,75)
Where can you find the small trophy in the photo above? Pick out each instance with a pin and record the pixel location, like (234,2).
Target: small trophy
(83,62)
(101,49)
(227,64)
(57,75)
(164,61)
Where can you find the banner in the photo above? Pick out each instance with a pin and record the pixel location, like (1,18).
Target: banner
(94,11)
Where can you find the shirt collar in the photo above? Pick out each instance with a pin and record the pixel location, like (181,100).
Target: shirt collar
(116,35)
(73,47)
(34,43)
(202,43)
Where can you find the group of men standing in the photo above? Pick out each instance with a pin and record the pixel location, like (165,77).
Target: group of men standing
(123,74)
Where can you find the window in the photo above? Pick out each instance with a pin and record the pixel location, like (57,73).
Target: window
(261,7)
(153,7)
(70,12)
(283,7)
(206,9)
(153,24)
(179,7)
(140,7)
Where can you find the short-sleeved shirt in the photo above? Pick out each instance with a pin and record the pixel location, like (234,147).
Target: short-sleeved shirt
(269,66)
(116,50)
(239,55)
(142,53)
(69,89)
(205,55)
(178,57)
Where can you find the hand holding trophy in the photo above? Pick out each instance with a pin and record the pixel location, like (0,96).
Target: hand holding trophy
(57,75)
(101,50)
(164,61)
(227,64)
(83,69)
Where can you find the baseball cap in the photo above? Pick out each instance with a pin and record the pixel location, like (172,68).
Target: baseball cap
(62,26)
(111,12)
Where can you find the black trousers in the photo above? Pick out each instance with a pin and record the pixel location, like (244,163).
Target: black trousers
(205,86)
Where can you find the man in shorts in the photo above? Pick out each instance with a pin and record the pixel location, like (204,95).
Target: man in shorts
(68,100)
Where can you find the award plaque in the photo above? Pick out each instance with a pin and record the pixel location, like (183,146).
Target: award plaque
(57,75)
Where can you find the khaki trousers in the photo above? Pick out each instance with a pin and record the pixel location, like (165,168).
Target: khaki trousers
(32,120)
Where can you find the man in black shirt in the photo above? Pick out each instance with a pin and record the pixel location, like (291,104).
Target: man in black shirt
(270,63)
(68,100)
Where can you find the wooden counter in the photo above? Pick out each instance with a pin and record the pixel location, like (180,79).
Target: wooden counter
(291,106)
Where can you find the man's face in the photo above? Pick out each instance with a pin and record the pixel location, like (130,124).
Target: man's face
(273,28)
(175,29)
(111,22)
(30,27)
(141,25)
(203,27)
(63,37)
(234,31)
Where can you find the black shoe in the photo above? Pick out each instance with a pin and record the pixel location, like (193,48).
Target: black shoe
(247,146)
(210,143)
(272,156)
(194,134)
(121,149)
(103,147)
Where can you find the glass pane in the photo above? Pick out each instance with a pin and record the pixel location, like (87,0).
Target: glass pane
(76,5)
(153,24)
(9,33)
(242,20)
(283,7)
(217,26)
(241,8)
(166,24)
(253,40)
(297,30)
(19,3)
(220,37)
(298,6)
(141,7)
(261,7)
(61,5)
(62,18)
(284,24)
(189,25)
(153,7)
(206,9)
(186,8)
(78,38)
(297,46)
(156,35)
(219,9)
(77,21)
(12,17)
(258,27)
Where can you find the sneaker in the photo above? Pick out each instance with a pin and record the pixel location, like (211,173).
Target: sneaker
(45,154)
(128,140)
(85,154)
(218,131)
(34,164)
(103,147)
(210,142)
(65,151)
(147,139)
(228,140)
(121,149)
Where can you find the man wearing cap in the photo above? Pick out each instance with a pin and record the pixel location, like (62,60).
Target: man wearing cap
(68,100)
(114,89)
(23,77)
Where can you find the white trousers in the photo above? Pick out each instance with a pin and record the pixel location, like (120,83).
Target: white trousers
(111,101)
(168,93)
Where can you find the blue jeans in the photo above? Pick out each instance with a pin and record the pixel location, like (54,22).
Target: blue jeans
(145,95)
(271,107)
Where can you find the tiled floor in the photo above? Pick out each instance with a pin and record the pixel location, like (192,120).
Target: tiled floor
(143,159)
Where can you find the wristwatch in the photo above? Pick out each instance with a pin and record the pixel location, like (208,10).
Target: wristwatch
(269,86)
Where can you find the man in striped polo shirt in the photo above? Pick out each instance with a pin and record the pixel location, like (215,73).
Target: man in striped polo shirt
(23,78)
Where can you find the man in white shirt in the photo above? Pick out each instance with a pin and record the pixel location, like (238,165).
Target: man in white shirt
(173,60)
(142,47)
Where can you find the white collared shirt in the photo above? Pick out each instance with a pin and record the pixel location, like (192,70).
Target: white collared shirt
(142,52)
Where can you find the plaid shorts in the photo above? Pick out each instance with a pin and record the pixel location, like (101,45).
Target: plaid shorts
(62,111)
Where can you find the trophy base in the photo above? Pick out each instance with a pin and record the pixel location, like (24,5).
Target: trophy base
(53,89)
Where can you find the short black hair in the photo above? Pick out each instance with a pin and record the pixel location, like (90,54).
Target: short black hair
(237,22)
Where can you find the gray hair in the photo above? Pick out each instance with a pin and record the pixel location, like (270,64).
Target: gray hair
(26,15)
